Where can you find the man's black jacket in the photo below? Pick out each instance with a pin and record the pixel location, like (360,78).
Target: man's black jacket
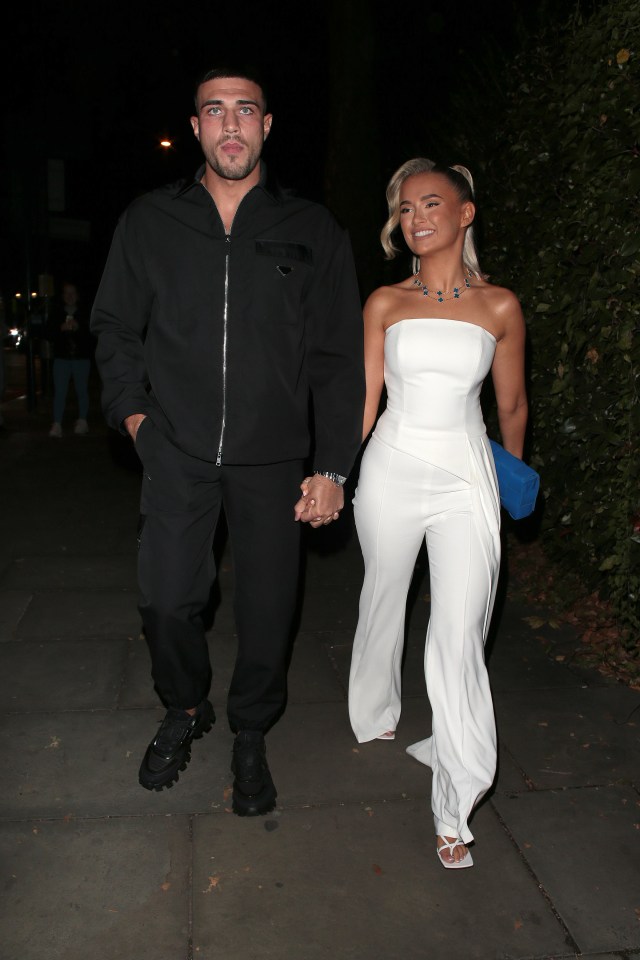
(220,339)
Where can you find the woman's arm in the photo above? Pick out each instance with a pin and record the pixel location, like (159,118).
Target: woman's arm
(375,310)
(508,375)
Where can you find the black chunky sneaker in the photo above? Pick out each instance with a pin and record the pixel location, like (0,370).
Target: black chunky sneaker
(170,750)
(253,789)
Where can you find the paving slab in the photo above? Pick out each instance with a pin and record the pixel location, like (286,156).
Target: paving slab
(337,567)
(315,757)
(53,615)
(359,882)
(79,573)
(610,956)
(335,608)
(583,846)
(6,558)
(518,660)
(529,647)
(60,675)
(510,777)
(13,606)
(85,764)
(83,535)
(312,677)
(575,737)
(106,889)
(75,508)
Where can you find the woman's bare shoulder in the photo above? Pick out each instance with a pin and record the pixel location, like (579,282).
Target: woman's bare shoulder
(499,298)
(501,304)
(382,303)
(384,296)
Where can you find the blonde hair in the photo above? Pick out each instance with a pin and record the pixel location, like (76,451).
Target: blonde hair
(460,179)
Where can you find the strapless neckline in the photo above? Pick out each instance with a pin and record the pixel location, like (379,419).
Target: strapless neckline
(467,323)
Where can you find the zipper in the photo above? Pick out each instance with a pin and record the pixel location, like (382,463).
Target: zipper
(225,318)
(225,322)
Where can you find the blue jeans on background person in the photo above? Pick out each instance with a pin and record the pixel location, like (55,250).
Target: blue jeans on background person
(63,370)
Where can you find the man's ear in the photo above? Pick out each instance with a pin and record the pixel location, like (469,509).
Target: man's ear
(268,120)
(196,127)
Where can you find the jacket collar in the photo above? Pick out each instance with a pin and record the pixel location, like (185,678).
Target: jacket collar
(266,183)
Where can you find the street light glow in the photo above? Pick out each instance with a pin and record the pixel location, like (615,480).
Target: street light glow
(166,143)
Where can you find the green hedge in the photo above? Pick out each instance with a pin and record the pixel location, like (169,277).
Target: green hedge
(562,229)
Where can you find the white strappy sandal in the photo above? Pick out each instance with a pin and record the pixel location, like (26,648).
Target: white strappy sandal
(467,860)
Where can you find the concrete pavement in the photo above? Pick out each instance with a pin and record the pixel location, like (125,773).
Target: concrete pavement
(93,866)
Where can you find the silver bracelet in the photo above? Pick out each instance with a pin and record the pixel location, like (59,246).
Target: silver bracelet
(339,480)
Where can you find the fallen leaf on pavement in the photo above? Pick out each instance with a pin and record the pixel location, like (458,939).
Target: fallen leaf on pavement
(534,622)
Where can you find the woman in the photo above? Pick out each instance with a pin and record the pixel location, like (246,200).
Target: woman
(72,347)
(428,472)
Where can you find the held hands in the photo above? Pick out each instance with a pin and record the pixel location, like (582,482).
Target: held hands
(321,501)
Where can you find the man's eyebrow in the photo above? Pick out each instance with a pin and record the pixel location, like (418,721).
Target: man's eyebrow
(240,103)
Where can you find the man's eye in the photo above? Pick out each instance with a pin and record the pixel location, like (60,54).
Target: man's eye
(213,111)
(246,111)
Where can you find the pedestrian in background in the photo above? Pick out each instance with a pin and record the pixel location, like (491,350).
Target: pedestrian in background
(71,345)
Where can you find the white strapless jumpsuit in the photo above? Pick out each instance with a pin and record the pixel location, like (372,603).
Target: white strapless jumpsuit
(428,472)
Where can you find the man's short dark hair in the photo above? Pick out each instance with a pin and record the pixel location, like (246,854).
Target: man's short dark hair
(243,72)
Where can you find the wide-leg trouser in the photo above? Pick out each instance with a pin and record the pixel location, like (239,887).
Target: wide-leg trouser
(180,506)
(400,500)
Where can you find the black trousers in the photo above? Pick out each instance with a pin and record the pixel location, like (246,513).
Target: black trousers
(180,507)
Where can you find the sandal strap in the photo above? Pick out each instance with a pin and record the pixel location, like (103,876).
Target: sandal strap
(450,847)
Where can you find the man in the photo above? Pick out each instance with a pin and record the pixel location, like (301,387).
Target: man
(224,306)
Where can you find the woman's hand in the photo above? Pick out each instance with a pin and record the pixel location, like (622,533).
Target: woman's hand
(321,501)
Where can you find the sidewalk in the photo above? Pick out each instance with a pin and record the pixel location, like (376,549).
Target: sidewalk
(96,868)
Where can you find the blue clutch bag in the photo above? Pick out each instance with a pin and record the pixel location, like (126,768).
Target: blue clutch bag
(517,482)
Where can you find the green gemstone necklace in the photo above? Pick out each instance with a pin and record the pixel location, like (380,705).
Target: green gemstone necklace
(442,295)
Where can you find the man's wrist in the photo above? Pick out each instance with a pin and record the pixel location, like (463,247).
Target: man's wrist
(337,478)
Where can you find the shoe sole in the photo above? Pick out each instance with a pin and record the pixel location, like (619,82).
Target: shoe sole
(257,806)
(172,774)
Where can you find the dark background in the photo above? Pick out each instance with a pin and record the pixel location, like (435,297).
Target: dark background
(356,88)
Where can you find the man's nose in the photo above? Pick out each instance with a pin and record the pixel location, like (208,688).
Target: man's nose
(230,123)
